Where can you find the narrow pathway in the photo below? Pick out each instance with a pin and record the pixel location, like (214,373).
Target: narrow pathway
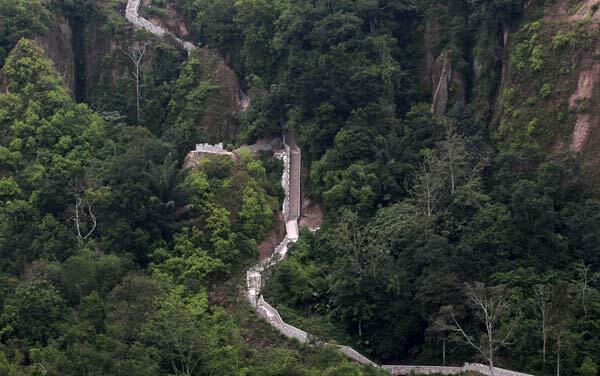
(132,15)
(291,182)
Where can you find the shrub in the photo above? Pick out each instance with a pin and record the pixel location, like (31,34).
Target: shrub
(562,40)
(546,90)
(536,61)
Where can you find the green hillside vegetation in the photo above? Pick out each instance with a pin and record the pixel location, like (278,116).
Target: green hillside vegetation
(117,261)
(111,255)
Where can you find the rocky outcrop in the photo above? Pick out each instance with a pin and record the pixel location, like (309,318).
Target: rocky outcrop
(311,215)
(446,82)
(57,44)
(582,100)
(224,106)
(441,76)
(222,109)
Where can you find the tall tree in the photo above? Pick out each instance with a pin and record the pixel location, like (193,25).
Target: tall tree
(495,311)
(543,299)
(560,308)
(136,53)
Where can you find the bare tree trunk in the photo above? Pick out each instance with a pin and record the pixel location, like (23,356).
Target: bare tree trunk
(444,352)
(137,92)
(544,342)
(558,354)
(136,55)
(583,270)
(543,296)
(490,349)
(79,218)
(428,202)
(452,184)
(492,307)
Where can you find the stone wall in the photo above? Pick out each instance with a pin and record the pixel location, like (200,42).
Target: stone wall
(202,151)
(295,176)
(131,13)
(291,182)
(422,370)
(485,370)
(467,367)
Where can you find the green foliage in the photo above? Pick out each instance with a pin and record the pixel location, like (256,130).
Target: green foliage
(18,19)
(116,261)
(187,107)
(546,90)
(588,367)
(529,53)
(562,40)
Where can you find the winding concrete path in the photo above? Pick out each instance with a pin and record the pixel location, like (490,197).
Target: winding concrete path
(255,276)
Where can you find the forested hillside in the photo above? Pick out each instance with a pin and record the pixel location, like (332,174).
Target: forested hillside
(451,145)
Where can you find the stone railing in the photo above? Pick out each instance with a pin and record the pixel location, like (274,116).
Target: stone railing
(209,148)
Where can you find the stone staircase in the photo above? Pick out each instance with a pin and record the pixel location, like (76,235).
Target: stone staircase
(291,182)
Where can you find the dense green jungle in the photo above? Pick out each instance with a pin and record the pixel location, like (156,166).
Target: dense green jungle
(450,171)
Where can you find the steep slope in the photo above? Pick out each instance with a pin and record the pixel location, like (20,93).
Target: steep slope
(549,93)
(57,43)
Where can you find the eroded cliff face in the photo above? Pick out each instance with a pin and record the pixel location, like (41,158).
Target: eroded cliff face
(448,84)
(549,100)
(540,91)
(440,72)
(168,17)
(220,118)
(91,55)
(57,43)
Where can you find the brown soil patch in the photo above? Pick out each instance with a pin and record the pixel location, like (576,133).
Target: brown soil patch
(588,78)
(274,237)
(172,20)
(585,10)
(311,216)
(582,131)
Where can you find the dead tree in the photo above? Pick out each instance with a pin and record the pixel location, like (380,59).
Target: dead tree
(543,295)
(560,309)
(584,273)
(428,184)
(84,219)
(136,54)
(82,209)
(493,309)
